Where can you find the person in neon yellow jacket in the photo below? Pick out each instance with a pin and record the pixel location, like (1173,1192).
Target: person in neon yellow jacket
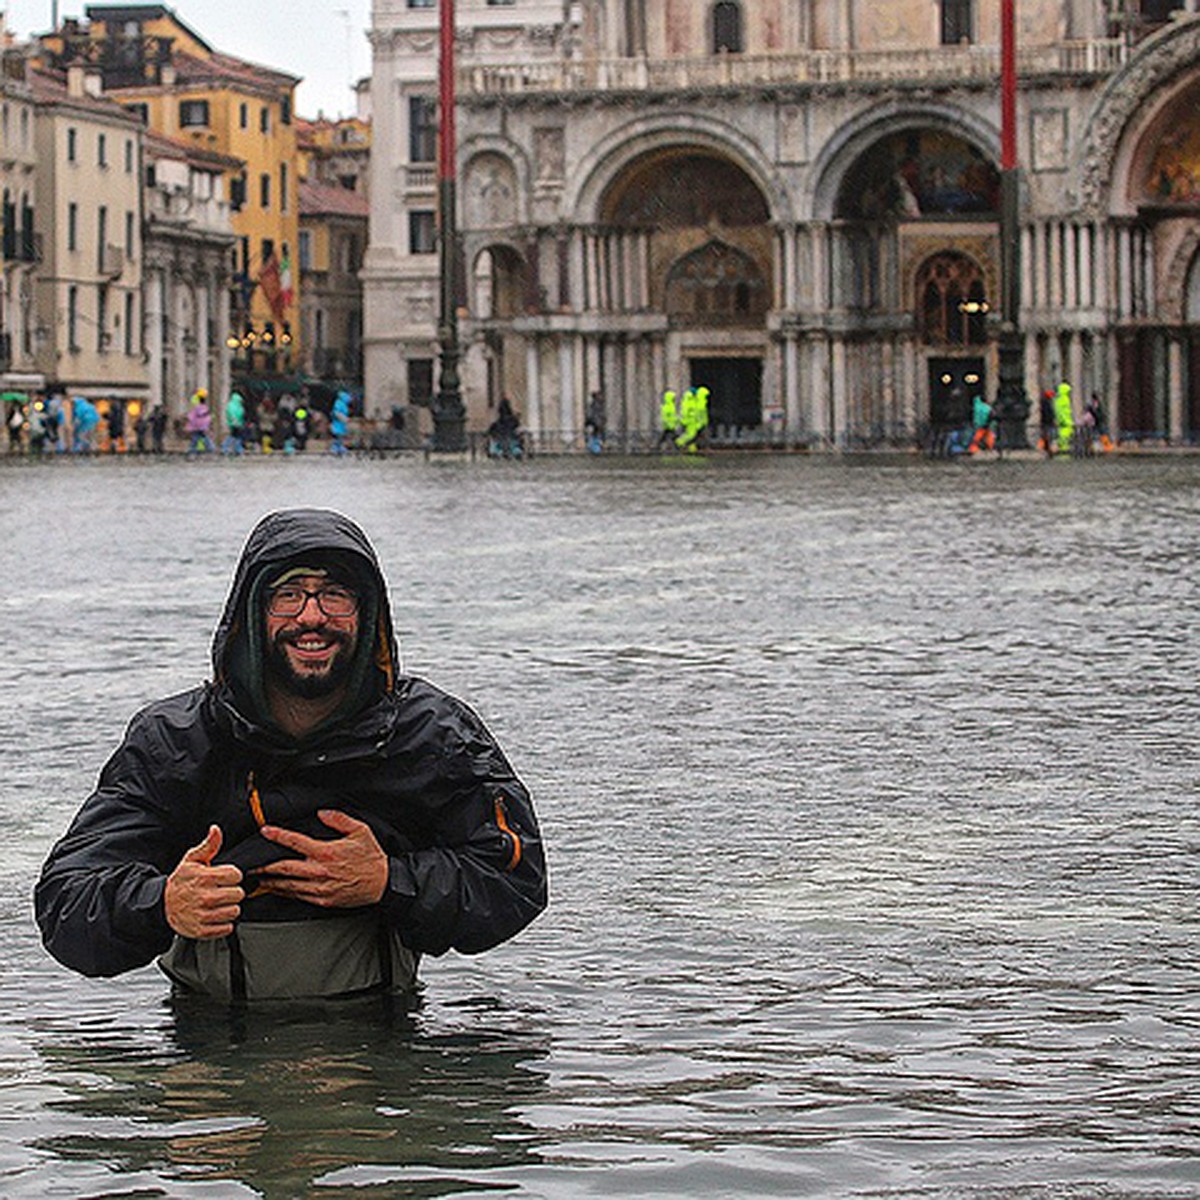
(694,415)
(1064,417)
(668,418)
(687,418)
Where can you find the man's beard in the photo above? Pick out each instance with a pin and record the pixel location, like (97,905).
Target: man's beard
(310,686)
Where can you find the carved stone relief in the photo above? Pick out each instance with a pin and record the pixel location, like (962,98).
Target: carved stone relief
(549,155)
(1049,139)
(491,192)
(793,134)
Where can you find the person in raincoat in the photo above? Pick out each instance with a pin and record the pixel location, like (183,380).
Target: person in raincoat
(693,414)
(984,435)
(235,424)
(668,419)
(339,422)
(702,394)
(199,421)
(85,417)
(310,822)
(1064,418)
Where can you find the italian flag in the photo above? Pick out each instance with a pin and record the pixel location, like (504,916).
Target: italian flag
(287,292)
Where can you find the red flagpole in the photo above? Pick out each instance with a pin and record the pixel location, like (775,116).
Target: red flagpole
(449,414)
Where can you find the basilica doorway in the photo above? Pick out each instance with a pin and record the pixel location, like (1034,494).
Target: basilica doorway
(735,391)
(953,385)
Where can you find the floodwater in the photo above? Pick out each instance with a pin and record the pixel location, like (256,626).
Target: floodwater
(869,788)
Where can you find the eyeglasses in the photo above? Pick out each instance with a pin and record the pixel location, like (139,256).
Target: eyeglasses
(332,600)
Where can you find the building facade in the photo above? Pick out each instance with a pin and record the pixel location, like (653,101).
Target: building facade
(333,236)
(21,230)
(182,87)
(187,271)
(87,291)
(796,205)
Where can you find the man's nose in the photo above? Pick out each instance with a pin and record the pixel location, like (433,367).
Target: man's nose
(311,613)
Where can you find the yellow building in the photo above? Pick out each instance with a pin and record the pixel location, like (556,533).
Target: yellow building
(152,63)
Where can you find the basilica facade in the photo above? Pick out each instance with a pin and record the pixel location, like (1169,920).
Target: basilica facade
(794,204)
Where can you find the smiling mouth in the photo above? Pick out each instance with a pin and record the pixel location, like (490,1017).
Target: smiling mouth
(312,647)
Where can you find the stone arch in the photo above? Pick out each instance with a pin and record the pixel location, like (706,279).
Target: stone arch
(499,281)
(678,186)
(593,175)
(1129,105)
(1180,301)
(500,293)
(688,202)
(1191,287)
(840,155)
(514,156)
(1161,169)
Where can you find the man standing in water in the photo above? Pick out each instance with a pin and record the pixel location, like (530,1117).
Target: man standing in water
(310,822)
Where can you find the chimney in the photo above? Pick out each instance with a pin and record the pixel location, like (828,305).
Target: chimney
(93,83)
(76,80)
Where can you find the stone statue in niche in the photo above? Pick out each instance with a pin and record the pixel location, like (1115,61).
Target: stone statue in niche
(491,193)
(549,155)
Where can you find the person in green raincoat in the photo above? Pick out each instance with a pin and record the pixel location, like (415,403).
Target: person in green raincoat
(689,415)
(668,418)
(1064,417)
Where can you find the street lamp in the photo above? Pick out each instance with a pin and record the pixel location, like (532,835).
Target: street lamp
(1012,405)
(449,417)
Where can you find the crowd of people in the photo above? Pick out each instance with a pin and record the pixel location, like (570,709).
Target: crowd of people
(683,424)
(59,425)
(56,424)
(1062,434)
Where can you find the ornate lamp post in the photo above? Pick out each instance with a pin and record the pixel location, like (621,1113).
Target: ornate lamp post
(449,416)
(1012,405)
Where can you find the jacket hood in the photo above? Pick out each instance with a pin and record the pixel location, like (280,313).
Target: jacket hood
(308,536)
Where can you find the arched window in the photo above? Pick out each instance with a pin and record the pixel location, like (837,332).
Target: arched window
(952,304)
(956,22)
(727,27)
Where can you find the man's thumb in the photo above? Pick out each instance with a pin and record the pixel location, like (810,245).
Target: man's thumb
(208,849)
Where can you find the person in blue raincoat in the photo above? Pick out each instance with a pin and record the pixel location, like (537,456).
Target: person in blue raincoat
(339,422)
(84,419)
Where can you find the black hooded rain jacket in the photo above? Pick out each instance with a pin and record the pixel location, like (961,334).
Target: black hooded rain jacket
(466,866)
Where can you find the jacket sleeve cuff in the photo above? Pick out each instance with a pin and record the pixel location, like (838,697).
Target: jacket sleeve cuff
(401,890)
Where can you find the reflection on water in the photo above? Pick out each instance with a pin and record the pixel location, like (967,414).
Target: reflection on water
(342,1100)
(869,792)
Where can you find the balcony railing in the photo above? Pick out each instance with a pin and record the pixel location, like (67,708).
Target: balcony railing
(942,64)
(419,177)
(204,212)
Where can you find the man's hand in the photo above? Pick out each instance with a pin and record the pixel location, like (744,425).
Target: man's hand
(348,872)
(203,901)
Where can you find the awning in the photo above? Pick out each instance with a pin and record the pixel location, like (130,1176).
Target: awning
(103,391)
(21,381)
